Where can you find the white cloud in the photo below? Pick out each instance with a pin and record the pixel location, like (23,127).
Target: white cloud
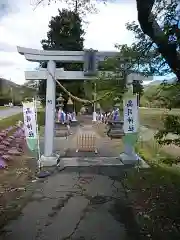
(108,27)
(27,27)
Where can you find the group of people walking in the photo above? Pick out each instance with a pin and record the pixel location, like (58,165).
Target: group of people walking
(104,117)
(65,117)
(107,116)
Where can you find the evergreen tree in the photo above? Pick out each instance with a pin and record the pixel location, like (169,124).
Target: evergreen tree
(65,34)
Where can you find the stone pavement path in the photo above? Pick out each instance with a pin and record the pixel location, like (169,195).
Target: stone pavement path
(103,144)
(77,205)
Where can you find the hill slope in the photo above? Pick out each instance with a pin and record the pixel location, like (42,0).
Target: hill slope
(161,95)
(11,91)
(158,82)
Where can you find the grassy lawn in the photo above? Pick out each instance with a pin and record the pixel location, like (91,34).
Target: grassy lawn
(155,194)
(150,120)
(10,121)
(151,117)
(175,111)
(3,107)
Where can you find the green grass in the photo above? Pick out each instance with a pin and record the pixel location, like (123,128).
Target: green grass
(174,111)
(152,117)
(12,120)
(3,107)
(155,194)
(153,121)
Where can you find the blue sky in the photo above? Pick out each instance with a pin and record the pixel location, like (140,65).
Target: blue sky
(104,30)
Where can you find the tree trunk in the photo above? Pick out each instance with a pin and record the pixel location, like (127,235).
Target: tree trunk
(151,28)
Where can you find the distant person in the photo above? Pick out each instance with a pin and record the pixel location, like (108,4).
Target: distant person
(59,115)
(63,117)
(69,117)
(68,127)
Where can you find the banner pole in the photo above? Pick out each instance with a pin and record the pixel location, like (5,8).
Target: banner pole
(38,141)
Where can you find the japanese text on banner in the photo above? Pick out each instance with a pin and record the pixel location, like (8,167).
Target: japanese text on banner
(130,115)
(29,120)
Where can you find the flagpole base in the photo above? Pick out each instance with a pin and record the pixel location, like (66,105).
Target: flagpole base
(131,159)
(49,161)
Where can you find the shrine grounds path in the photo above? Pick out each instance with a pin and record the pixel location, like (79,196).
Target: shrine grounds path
(78,204)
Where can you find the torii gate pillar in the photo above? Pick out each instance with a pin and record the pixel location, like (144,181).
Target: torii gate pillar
(50,108)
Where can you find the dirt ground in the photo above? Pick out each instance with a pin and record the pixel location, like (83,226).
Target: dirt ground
(15,182)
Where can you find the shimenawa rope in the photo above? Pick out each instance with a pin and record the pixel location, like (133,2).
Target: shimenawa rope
(77,98)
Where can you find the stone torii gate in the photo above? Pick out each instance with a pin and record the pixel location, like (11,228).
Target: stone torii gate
(89,58)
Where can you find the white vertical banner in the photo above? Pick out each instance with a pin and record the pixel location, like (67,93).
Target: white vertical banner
(29,113)
(131,116)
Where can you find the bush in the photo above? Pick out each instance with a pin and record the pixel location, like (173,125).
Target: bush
(4,100)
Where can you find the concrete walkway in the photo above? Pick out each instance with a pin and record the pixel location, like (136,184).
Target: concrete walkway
(104,145)
(75,206)
(82,202)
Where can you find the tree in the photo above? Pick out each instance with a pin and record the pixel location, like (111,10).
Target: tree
(167,15)
(164,95)
(159,38)
(65,33)
(114,83)
(78,6)
(166,42)
(165,36)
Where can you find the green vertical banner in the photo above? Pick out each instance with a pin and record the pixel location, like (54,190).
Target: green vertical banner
(131,118)
(30,126)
